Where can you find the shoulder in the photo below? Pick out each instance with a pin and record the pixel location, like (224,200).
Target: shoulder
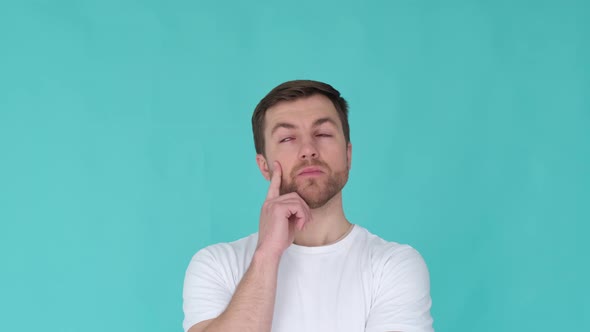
(212,277)
(229,249)
(227,258)
(392,257)
(400,287)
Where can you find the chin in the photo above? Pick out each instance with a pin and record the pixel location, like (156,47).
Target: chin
(316,192)
(315,200)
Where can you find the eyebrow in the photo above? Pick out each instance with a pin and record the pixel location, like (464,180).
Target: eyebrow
(316,123)
(282,125)
(321,121)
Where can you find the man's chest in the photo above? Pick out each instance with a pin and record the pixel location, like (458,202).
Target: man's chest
(325,295)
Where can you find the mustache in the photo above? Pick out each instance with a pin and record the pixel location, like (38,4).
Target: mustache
(303,164)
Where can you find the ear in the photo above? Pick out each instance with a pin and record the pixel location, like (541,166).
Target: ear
(263,166)
(349,154)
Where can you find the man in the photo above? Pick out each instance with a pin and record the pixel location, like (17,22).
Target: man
(308,268)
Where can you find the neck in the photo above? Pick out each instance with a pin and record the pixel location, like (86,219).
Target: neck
(328,226)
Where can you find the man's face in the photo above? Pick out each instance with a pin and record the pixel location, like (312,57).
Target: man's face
(305,136)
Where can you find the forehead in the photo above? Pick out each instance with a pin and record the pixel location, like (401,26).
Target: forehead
(301,112)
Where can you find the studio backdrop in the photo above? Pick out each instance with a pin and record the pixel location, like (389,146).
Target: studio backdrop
(126,146)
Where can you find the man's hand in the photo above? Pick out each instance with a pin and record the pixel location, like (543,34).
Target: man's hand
(280,217)
(252,305)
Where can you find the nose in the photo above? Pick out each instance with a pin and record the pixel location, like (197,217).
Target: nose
(308,151)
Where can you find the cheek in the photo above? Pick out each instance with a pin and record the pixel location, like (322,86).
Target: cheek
(333,150)
(338,161)
(283,150)
(286,160)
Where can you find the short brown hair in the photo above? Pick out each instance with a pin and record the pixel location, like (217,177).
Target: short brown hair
(290,91)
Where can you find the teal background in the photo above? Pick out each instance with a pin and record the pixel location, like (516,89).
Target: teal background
(126,146)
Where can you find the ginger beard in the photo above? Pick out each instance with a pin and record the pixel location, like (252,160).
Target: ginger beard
(315,191)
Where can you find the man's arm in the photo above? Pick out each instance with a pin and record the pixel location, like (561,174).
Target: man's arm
(252,305)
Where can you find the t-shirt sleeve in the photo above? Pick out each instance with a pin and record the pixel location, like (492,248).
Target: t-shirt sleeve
(205,293)
(402,296)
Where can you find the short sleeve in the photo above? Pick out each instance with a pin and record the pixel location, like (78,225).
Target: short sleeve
(402,299)
(205,293)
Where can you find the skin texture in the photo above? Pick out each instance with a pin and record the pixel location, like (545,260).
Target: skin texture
(304,209)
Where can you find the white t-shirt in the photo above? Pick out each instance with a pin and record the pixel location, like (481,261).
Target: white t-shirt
(360,283)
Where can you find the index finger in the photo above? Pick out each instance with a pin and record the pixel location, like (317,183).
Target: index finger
(275,182)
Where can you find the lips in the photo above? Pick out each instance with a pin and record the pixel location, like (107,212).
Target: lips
(311,171)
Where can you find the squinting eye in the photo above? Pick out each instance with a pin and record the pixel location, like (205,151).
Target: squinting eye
(324,135)
(287,139)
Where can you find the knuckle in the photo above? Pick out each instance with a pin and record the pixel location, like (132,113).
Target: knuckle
(268,205)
